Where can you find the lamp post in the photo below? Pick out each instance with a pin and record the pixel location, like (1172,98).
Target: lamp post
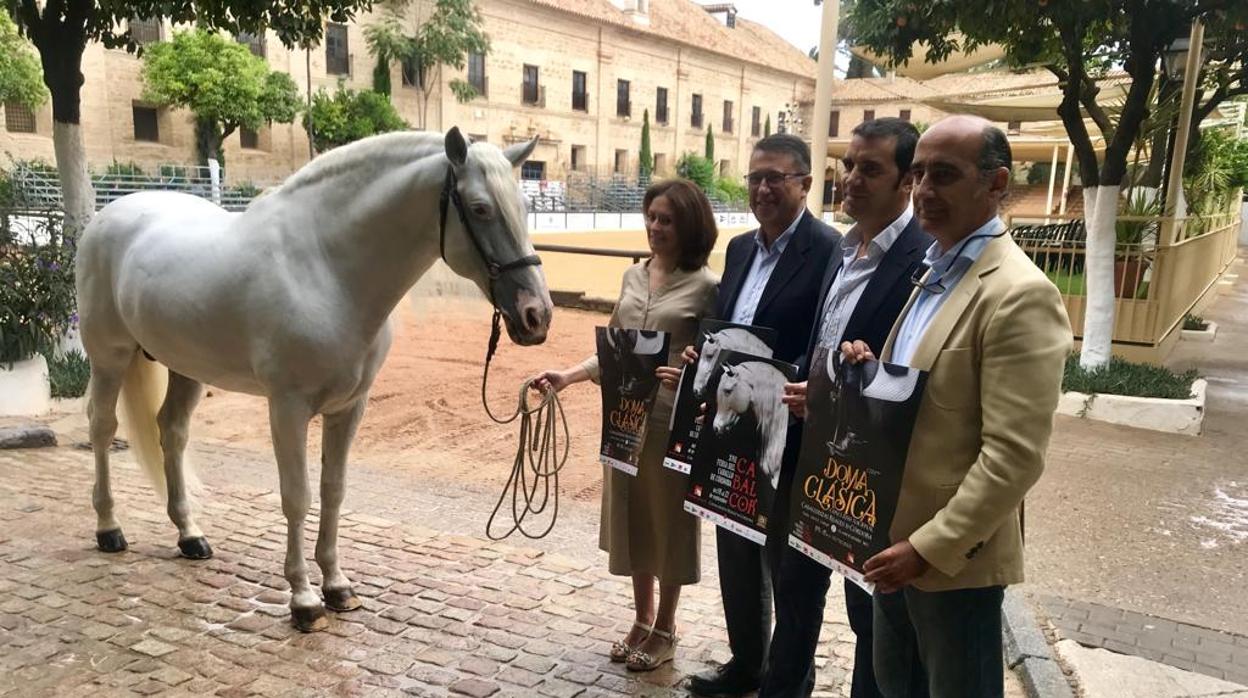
(822,116)
(1185,53)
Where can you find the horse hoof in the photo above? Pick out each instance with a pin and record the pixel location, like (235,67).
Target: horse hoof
(110,541)
(195,548)
(309,620)
(342,600)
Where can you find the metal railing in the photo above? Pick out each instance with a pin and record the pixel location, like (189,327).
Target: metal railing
(39,187)
(1158,279)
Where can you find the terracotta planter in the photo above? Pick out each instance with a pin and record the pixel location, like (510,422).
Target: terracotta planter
(1128,275)
(24,387)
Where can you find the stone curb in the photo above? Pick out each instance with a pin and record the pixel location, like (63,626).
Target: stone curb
(1186,417)
(1028,652)
(580,301)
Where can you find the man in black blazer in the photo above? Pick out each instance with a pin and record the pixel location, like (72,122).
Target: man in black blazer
(771,279)
(865,287)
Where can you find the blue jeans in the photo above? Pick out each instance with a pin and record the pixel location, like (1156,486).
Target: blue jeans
(954,635)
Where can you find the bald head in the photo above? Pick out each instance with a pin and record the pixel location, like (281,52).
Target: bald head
(961,171)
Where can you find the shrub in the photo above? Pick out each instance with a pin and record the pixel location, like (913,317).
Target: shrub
(698,170)
(69,374)
(1194,322)
(36,290)
(1123,377)
(125,169)
(731,190)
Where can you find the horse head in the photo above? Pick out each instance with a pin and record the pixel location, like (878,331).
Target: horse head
(493,247)
(709,357)
(732,399)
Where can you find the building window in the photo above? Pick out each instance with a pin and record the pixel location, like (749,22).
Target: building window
(834,124)
(623,106)
(530,91)
(145,30)
(251,41)
(337,51)
(660,106)
(248,139)
(621,161)
(756,119)
(533,169)
(904,115)
(695,112)
(727,116)
(412,77)
(1014,128)
(478,138)
(18,118)
(660,163)
(578,157)
(476,73)
(580,93)
(868,114)
(146,124)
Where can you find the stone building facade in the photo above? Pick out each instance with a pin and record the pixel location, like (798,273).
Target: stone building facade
(578,74)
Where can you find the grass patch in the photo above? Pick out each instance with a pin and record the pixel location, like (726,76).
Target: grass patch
(69,375)
(1068,283)
(1122,377)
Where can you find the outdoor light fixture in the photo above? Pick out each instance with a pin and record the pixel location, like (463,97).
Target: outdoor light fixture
(1175,56)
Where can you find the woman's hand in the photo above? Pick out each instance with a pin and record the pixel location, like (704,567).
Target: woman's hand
(669,375)
(689,355)
(558,380)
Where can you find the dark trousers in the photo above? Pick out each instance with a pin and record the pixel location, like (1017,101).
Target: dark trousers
(954,635)
(746,572)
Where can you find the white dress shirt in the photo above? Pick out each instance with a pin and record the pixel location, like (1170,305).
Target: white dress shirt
(854,275)
(760,271)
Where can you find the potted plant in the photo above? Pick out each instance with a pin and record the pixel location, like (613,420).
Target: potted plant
(36,307)
(1136,233)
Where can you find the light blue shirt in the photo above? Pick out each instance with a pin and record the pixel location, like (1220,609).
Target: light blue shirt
(947,269)
(760,272)
(855,273)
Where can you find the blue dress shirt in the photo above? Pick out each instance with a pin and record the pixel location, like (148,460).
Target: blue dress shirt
(760,271)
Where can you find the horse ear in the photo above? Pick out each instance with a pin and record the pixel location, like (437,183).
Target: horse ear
(520,152)
(456,147)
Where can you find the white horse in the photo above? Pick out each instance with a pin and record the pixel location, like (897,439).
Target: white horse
(755,386)
(715,344)
(289,300)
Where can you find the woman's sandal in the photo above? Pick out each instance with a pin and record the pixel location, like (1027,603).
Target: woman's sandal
(644,661)
(621,650)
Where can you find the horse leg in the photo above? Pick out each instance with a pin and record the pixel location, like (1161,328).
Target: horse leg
(338,433)
(288,421)
(105,387)
(174,421)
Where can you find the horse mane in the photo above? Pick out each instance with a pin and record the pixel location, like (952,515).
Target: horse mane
(771,413)
(400,146)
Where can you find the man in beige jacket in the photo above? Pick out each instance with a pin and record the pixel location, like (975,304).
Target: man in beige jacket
(993,333)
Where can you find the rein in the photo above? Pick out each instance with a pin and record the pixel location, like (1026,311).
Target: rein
(537,450)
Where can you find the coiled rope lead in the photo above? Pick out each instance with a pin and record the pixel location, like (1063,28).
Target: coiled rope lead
(537,453)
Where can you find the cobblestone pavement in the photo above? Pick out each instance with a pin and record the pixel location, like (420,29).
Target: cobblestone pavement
(1221,655)
(444,613)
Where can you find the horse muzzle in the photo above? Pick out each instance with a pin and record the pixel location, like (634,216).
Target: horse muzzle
(528,318)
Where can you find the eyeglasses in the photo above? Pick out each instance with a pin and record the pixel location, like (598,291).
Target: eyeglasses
(772,178)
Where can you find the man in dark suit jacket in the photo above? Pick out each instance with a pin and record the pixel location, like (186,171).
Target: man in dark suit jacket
(771,279)
(865,287)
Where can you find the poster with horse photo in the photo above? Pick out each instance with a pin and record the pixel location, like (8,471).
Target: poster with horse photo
(859,419)
(627,360)
(714,338)
(737,465)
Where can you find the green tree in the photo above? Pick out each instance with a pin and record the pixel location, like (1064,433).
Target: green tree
(1078,42)
(21,80)
(709,152)
(443,37)
(646,159)
(698,170)
(61,30)
(348,116)
(221,82)
(767,126)
(381,77)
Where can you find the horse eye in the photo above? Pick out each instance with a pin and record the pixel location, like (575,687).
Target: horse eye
(481,211)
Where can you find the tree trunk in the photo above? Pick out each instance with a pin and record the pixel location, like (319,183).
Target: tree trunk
(62,73)
(1101,212)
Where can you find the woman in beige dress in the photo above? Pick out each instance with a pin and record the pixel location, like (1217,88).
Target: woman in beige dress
(644,527)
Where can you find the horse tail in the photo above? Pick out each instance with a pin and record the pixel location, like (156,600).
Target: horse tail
(142,391)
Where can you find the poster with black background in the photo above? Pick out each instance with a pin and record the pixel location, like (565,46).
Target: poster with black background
(714,338)
(627,360)
(737,464)
(859,420)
